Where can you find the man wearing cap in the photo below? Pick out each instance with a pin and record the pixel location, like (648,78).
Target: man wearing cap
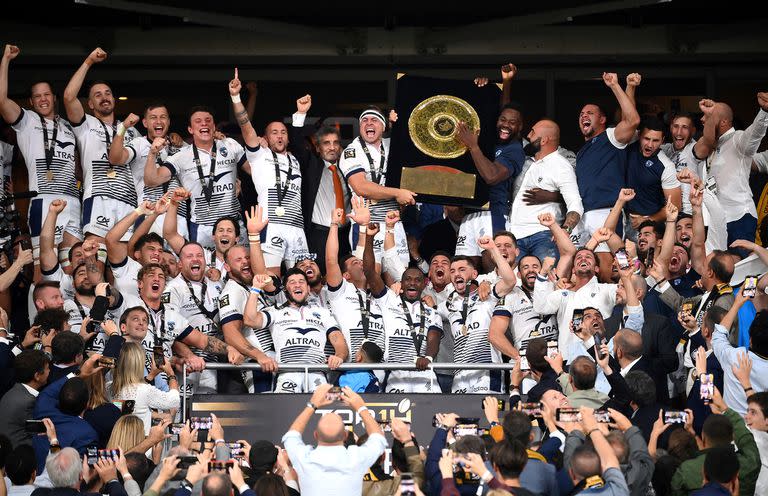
(364,165)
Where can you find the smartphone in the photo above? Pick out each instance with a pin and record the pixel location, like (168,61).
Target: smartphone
(706,388)
(186,461)
(156,421)
(222,466)
(675,417)
(92,453)
(552,349)
(750,286)
(236,450)
(177,428)
(578,319)
(649,256)
(603,416)
(201,423)
(499,405)
(109,454)
(35,426)
(159,355)
(461,430)
(127,407)
(531,409)
(334,394)
(524,365)
(687,307)
(622,258)
(407,484)
(568,415)
(106,362)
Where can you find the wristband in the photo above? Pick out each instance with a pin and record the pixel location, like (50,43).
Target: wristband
(173,378)
(217,441)
(486,477)
(592,430)
(185,484)
(359,250)
(363,230)
(256,290)
(312,406)
(121,129)
(54,442)
(236,99)
(749,389)
(127,476)
(431,360)
(362,409)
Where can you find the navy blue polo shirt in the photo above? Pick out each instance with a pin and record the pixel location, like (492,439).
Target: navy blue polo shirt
(600,171)
(644,176)
(511,156)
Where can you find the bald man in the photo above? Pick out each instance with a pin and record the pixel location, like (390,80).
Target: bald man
(331,469)
(553,173)
(730,166)
(628,351)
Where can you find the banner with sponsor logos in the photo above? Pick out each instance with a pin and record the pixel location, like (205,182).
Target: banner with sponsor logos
(268,416)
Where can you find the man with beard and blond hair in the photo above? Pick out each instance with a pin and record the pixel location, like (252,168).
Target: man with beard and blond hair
(47,143)
(109,191)
(276,175)
(255,344)
(300,330)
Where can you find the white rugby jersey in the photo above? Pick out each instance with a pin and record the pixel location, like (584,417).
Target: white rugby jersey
(400,339)
(178,294)
(232,302)
(138,151)
(93,140)
(525,324)
(300,333)
(354,160)
(348,304)
(126,275)
(6,163)
(470,334)
(685,159)
(66,284)
(166,323)
(274,192)
(78,311)
(229,156)
(31,141)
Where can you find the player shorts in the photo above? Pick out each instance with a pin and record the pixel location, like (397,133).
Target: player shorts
(412,381)
(293,382)
(157,226)
(68,220)
(100,214)
(473,227)
(203,382)
(478,382)
(280,242)
(590,222)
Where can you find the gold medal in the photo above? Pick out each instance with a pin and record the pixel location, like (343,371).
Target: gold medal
(374,202)
(464,329)
(280,211)
(49,174)
(111,174)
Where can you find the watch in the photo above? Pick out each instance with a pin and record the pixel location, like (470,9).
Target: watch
(312,406)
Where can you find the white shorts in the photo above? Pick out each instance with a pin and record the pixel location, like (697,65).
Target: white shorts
(203,382)
(100,214)
(590,222)
(204,234)
(401,242)
(293,382)
(181,226)
(282,243)
(67,221)
(478,382)
(473,227)
(412,381)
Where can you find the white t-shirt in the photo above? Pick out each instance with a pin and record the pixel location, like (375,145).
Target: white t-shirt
(300,334)
(354,160)
(179,295)
(345,305)
(93,140)
(269,192)
(232,302)
(138,151)
(31,142)
(229,156)
(470,335)
(684,159)
(400,342)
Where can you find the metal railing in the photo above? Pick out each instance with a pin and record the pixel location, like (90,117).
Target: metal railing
(321,367)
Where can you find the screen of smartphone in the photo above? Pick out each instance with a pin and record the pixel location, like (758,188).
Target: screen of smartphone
(675,417)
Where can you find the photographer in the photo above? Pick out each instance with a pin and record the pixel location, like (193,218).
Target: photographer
(443,438)
(377,482)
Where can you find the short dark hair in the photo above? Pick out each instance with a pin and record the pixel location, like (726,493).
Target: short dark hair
(128,311)
(231,219)
(147,268)
(507,234)
(51,318)
(148,238)
(73,397)
(66,346)
(718,429)
(758,333)
(686,115)
(509,457)
(139,467)
(517,427)
(440,253)
(98,81)
(372,351)
(583,372)
(28,363)
(721,464)
(642,388)
(154,105)
(216,484)
(199,108)
(722,271)
(761,400)
(325,131)
(73,248)
(271,484)
(658,227)
(21,464)
(292,272)
(594,256)
(535,353)
(713,316)
(459,258)
(651,123)
(42,285)
(682,216)
(343,261)
(50,86)
(585,462)
(470,444)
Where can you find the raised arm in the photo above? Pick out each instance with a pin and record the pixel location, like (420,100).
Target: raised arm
(8,108)
(668,241)
(252,316)
(49,255)
(604,450)
(118,153)
(708,141)
(508,73)
(505,271)
(491,172)
(633,81)
(255,223)
(154,175)
(699,237)
(630,119)
(75,111)
(170,223)
(565,246)
(250,137)
(749,141)
(362,216)
(116,249)
(333,273)
(158,208)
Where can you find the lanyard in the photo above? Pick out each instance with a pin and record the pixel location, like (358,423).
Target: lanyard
(418,337)
(365,312)
(200,304)
(207,188)
(159,332)
(282,188)
(376,174)
(49,146)
(80,308)
(107,137)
